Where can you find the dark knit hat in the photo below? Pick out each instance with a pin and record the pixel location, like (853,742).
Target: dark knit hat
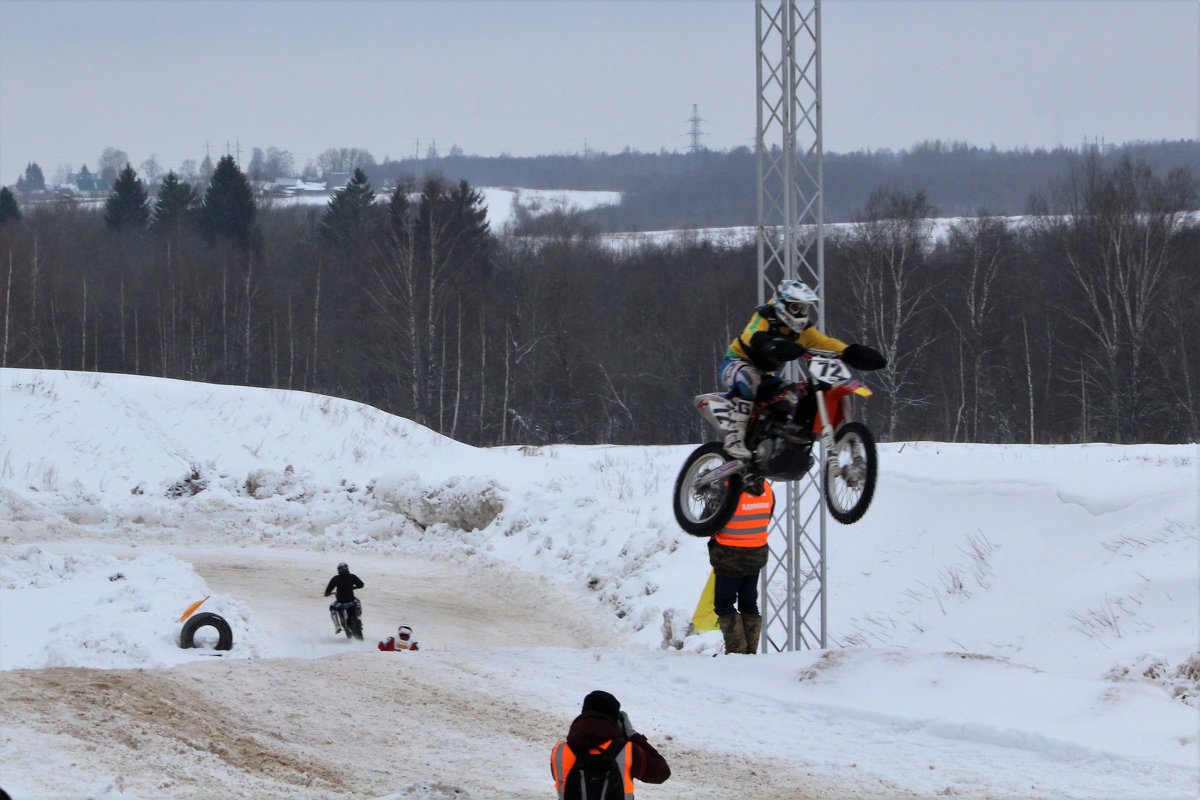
(603,703)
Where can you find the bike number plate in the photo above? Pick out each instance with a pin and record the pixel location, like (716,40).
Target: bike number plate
(829,370)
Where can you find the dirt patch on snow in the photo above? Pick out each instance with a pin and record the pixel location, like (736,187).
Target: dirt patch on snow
(349,726)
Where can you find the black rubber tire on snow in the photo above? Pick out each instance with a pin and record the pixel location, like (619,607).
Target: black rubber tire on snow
(710,523)
(837,508)
(187,637)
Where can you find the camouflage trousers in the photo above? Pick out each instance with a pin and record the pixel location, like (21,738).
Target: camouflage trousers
(737,569)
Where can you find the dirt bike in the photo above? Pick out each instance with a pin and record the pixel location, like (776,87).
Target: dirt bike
(779,435)
(349,618)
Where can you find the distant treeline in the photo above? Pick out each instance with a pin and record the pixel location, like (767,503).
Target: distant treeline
(666,191)
(1079,324)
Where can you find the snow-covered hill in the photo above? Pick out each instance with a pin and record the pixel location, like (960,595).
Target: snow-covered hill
(1009,621)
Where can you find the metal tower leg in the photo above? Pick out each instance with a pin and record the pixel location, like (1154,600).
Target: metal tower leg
(791,244)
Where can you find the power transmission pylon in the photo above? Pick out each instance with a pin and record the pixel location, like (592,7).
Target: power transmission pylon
(695,132)
(791,244)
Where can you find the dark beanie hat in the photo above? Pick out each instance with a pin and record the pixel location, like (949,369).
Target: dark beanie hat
(603,703)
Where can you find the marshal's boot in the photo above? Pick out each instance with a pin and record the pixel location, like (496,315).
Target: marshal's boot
(734,633)
(752,626)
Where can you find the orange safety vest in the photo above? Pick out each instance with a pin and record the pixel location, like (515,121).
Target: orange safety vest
(562,758)
(749,525)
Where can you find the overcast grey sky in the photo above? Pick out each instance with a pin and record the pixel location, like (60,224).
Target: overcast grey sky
(528,78)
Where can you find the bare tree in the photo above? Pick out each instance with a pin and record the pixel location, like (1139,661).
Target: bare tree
(152,170)
(890,285)
(280,163)
(395,298)
(1182,333)
(7,310)
(977,256)
(452,247)
(344,159)
(111,162)
(1116,232)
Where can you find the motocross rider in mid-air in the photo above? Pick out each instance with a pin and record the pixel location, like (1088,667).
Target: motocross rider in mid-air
(780,331)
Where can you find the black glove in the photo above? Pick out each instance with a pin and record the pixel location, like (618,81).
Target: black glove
(772,352)
(862,357)
(627,726)
(783,350)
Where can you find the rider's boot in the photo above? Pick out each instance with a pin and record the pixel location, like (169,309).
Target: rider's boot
(752,626)
(735,437)
(337,623)
(734,633)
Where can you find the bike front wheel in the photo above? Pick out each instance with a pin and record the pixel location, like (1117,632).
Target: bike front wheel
(850,473)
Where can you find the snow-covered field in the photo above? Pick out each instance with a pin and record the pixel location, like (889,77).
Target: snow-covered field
(502,202)
(745,235)
(1008,622)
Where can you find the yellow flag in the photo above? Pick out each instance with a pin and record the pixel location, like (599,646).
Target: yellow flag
(705,619)
(191,609)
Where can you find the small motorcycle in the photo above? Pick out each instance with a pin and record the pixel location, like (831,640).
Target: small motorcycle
(780,434)
(349,617)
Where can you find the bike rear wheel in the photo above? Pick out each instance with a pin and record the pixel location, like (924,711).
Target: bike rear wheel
(350,621)
(703,508)
(850,473)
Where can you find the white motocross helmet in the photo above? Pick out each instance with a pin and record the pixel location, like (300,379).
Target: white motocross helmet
(796,304)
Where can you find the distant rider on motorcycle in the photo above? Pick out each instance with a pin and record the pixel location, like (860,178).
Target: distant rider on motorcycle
(345,582)
(780,331)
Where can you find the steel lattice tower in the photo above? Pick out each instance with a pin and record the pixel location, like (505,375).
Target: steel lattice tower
(791,244)
(695,131)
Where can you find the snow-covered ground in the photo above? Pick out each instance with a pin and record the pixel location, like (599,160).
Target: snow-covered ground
(1007,622)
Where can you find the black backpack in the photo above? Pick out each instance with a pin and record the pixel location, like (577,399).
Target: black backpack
(597,776)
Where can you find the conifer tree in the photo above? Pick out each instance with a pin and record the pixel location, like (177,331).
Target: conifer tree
(228,210)
(351,213)
(128,205)
(206,170)
(471,218)
(34,180)
(174,203)
(9,211)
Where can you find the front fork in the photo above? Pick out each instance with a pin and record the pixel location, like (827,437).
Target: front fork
(721,473)
(826,431)
(832,464)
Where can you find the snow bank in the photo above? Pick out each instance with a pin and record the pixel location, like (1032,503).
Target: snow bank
(89,609)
